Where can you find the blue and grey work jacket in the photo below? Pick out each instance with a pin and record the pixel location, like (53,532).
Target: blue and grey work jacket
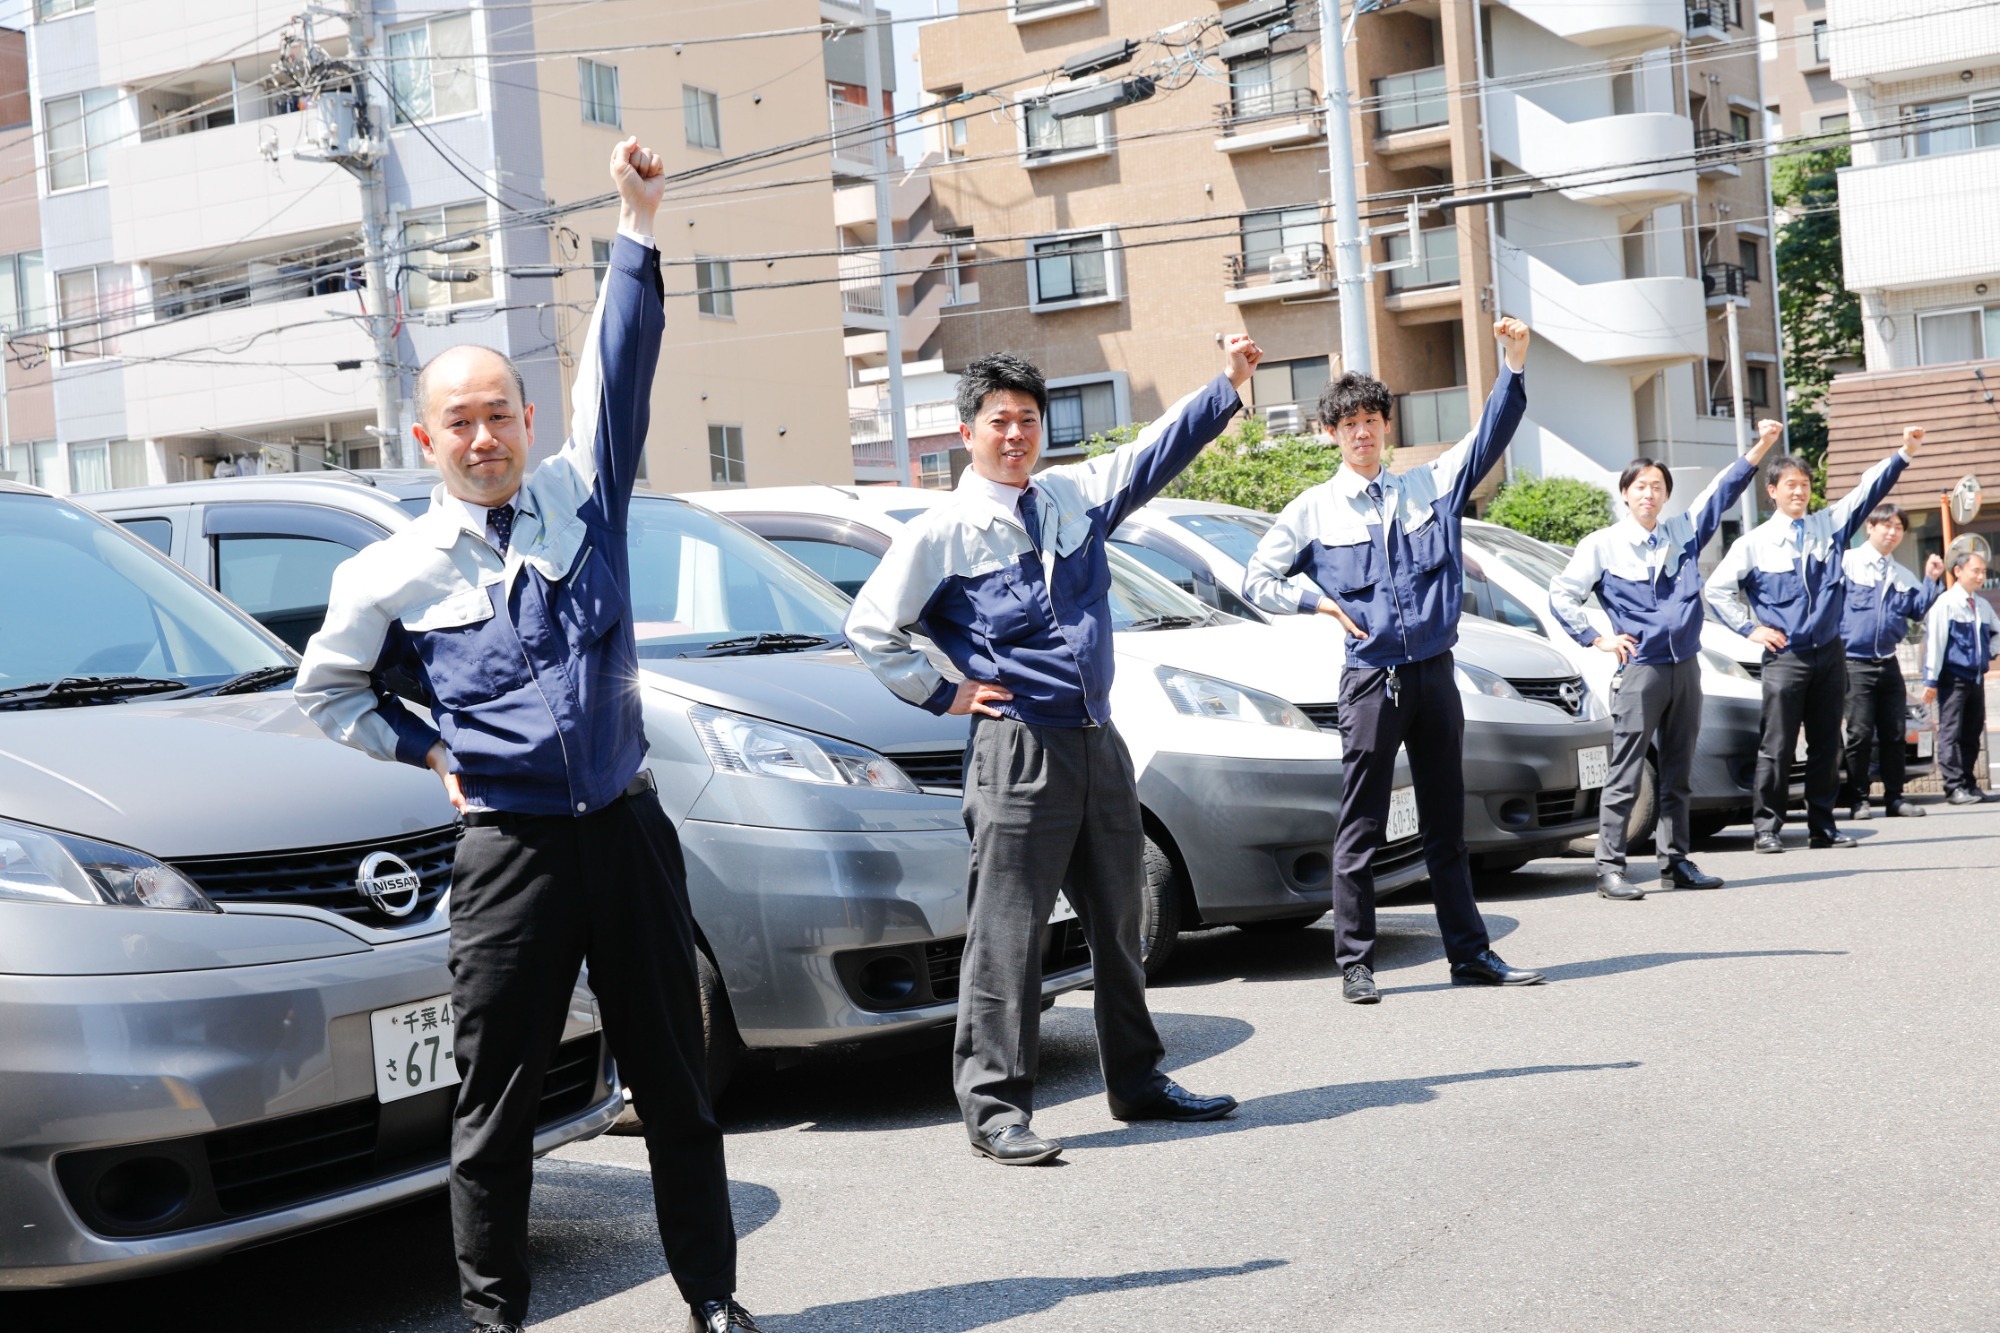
(1882,599)
(1649,583)
(1786,574)
(528,659)
(1961,638)
(1037,622)
(1395,565)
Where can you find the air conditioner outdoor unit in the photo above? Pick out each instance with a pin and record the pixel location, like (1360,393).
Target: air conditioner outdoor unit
(1288,265)
(1285,419)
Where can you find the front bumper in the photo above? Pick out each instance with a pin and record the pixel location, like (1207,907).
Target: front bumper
(1523,793)
(827,937)
(212,1089)
(1256,835)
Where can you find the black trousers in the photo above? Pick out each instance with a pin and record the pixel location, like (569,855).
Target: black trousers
(1961,706)
(532,898)
(1426,718)
(1877,718)
(1806,687)
(1047,806)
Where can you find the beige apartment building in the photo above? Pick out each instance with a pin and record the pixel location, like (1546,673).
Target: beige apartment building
(1115,249)
(1800,94)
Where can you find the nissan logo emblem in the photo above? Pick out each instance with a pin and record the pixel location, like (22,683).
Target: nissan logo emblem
(1572,695)
(388,883)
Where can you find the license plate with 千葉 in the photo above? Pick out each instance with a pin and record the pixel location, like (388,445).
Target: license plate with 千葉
(1402,815)
(1593,766)
(1926,742)
(413,1048)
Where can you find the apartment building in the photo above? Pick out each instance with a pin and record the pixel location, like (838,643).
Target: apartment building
(28,450)
(1801,97)
(204,272)
(1628,132)
(1918,232)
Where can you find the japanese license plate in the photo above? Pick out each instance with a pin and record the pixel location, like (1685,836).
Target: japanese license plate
(413,1048)
(1799,750)
(1063,911)
(1926,742)
(1402,815)
(1593,766)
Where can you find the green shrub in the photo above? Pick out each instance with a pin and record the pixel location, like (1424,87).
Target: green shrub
(1556,509)
(1246,467)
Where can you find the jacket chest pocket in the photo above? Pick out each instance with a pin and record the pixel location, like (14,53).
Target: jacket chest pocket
(1428,547)
(1082,571)
(1008,604)
(468,652)
(589,602)
(1349,564)
(1776,588)
(1640,591)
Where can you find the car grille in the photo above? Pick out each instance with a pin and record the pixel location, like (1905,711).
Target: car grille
(1325,716)
(324,876)
(937,965)
(1393,856)
(940,769)
(1560,806)
(1551,692)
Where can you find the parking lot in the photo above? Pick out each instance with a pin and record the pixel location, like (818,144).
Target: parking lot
(1769,1107)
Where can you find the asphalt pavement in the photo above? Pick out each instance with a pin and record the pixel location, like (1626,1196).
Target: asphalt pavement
(1773,1106)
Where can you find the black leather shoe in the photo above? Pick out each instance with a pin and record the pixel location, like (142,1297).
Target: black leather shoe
(1488,969)
(1685,874)
(1016,1145)
(1612,884)
(1966,796)
(1357,985)
(496,1328)
(1174,1102)
(1900,809)
(720,1317)
(1862,811)
(1837,840)
(1767,843)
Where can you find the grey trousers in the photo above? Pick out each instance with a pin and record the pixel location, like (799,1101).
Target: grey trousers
(1047,806)
(1660,706)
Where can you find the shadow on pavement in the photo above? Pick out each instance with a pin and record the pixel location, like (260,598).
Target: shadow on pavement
(1310,1105)
(1407,937)
(973,1305)
(1633,962)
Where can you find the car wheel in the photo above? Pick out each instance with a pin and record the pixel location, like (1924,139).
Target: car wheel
(1283,925)
(1160,917)
(1645,806)
(721,1047)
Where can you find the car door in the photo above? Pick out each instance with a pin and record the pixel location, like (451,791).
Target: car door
(164,528)
(276,561)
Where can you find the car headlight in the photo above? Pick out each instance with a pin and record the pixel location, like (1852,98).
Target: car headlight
(1592,708)
(1204,696)
(37,865)
(1478,680)
(739,744)
(1724,665)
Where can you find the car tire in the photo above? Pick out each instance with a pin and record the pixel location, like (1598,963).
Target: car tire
(1284,925)
(1639,824)
(1160,918)
(722,1048)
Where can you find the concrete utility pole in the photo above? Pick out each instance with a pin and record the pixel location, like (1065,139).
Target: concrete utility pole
(364,39)
(1350,262)
(1736,394)
(885,236)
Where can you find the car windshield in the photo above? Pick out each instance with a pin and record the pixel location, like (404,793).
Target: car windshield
(1235,535)
(1539,560)
(1141,599)
(700,584)
(104,607)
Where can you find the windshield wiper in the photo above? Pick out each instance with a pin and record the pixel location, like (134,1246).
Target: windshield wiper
(1165,622)
(750,644)
(251,681)
(68,691)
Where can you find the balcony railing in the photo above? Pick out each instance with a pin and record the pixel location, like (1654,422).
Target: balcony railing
(1434,416)
(1719,281)
(1294,264)
(861,288)
(1259,104)
(1713,17)
(1709,139)
(875,453)
(1722,407)
(1437,260)
(932,418)
(1288,418)
(864,426)
(854,127)
(1411,101)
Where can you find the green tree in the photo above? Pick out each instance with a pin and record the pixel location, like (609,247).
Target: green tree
(1247,467)
(1556,509)
(1821,318)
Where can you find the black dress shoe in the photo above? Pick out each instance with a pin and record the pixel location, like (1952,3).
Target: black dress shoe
(1174,1102)
(1357,985)
(1613,884)
(721,1317)
(1015,1145)
(1767,843)
(1834,840)
(1488,969)
(496,1328)
(1684,874)
(1900,809)
(1966,796)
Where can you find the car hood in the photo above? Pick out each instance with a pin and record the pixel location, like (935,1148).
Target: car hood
(1290,665)
(831,693)
(1513,653)
(205,777)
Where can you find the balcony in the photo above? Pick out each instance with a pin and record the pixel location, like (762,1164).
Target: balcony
(937,417)
(1716,152)
(1723,283)
(1620,25)
(1267,117)
(1711,20)
(1636,322)
(1434,416)
(1920,221)
(1302,270)
(861,288)
(854,129)
(1590,161)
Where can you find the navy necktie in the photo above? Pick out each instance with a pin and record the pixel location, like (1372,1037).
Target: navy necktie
(1031,518)
(500,522)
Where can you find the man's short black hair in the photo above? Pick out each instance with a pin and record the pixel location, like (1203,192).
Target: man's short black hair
(1888,513)
(1783,463)
(1638,465)
(1002,372)
(1353,394)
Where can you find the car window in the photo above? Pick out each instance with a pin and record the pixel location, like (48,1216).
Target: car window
(415,505)
(1539,560)
(104,604)
(1168,568)
(157,533)
(1235,535)
(1510,610)
(843,566)
(697,578)
(907,515)
(282,581)
(1137,593)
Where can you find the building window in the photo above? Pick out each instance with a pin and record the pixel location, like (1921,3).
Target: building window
(712,289)
(1071,270)
(55,9)
(600,263)
(1749,255)
(97,306)
(1953,125)
(429,280)
(1289,384)
(957,134)
(106,465)
(1291,236)
(961,274)
(430,70)
(725,456)
(1027,11)
(1739,126)
(1044,138)
(1272,85)
(1944,336)
(1836,124)
(1757,385)
(934,471)
(1079,411)
(599,85)
(23,300)
(78,130)
(32,461)
(701,112)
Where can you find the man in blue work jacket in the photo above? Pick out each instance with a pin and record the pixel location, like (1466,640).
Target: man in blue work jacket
(1782,585)
(1383,551)
(1012,583)
(510,601)
(1882,599)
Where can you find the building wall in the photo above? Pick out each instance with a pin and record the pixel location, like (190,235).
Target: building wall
(1799,89)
